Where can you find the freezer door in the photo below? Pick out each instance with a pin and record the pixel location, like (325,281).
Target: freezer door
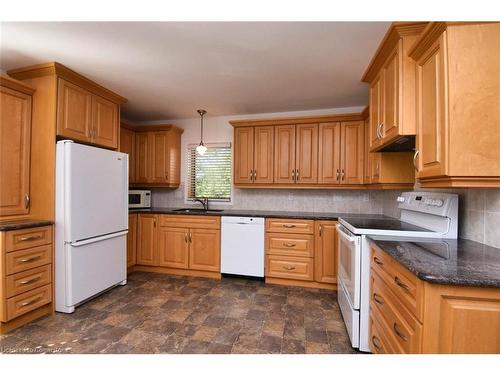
(95,190)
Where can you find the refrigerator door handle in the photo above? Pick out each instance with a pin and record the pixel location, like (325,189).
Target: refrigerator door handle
(98,239)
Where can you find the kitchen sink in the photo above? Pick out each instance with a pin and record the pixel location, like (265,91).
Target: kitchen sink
(196,210)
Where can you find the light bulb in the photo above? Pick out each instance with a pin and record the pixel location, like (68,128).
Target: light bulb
(201,149)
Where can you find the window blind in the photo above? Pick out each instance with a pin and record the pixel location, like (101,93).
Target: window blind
(209,175)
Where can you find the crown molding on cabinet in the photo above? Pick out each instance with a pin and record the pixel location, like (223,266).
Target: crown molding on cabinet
(148,128)
(14,84)
(299,120)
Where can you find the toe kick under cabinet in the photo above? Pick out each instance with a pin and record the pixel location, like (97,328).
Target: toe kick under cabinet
(301,253)
(26,276)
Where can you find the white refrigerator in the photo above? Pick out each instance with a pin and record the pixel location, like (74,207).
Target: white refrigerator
(91,222)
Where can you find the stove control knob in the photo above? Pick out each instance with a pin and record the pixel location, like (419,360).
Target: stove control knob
(438,202)
(429,202)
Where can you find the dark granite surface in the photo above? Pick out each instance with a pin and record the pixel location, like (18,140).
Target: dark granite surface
(454,262)
(261,213)
(22,224)
(385,223)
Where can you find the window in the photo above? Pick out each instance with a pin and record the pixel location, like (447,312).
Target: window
(209,175)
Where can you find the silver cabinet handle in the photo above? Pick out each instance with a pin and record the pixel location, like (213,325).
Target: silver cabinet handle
(376,343)
(289,244)
(377,298)
(31,302)
(338,175)
(381,130)
(401,284)
(255,175)
(190,237)
(185,237)
(398,332)
(24,282)
(293,174)
(289,268)
(343,175)
(26,200)
(415,156)
(31,238)
(251,175)
(26,260)
(297,174)
(289,225)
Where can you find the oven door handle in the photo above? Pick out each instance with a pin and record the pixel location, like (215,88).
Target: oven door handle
(345,236)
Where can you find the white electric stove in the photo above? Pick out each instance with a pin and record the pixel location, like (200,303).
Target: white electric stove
(424,215)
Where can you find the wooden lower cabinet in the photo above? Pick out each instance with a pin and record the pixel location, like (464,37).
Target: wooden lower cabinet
(408,315)
(180,244)
(132,240)
(301,252)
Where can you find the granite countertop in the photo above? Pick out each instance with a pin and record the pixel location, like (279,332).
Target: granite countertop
(22,224)
(259,213)
(453,262)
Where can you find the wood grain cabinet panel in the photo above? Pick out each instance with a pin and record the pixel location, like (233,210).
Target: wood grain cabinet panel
(329,153)
(290,267)
(142,168)
(243,155)
(204,250)
(390,91)
(28,301)
(376,112)
(132,240)
(325,252)
(284,154)
(27,238)
(15,141)
(290,244)
(24,281)
(306,163)
(352,151)
(290,226)
(22,260)
(158,157)
(127,146)
(173,245)
(263,165)
(146,240)
(105,122)
(74,112)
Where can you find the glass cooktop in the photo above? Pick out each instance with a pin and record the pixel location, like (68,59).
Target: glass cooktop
(383,224)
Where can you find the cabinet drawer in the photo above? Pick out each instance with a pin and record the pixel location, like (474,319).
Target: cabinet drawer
(290,244)
(23,260)
(28,301)
(286,267)
(23,281)
(407,288)
(379,342)
(190,221)
(26,238)
(290,226)
(404,328)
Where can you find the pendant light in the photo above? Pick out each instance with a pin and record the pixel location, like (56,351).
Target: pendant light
(201,148)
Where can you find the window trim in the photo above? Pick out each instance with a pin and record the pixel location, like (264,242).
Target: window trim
(218,202)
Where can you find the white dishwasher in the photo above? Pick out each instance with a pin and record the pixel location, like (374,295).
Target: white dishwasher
(242,246)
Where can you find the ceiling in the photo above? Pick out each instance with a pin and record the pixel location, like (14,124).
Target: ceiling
(169,69)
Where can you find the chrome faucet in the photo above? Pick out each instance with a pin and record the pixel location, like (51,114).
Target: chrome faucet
(203,201)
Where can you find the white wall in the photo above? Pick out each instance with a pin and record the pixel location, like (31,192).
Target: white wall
(218,130)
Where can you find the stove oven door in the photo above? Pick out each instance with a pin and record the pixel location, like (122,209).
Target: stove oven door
(349,263)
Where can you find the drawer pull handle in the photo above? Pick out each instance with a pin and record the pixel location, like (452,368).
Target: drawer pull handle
(24,282)
(398,332)
(289,244)
(401,284)
(378,261)
(26,260)
(31,302)
(289,268)
(376,343)
(31,238)
(289,225)
(377,298)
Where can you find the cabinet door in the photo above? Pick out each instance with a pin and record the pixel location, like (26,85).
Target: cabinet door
(352,152)
(431,112)
(325,252)
(74,112)
(131,240)
(142,164)
(263,154)
(173,245)
(105,122)
(306,162)
(375,165)
(174,157)
(15,133)
(127,145)
(390,119)
(375,112)
(159,157)
(284,154)
(367,157)
(204,250)
(146,240)
(329,153)
(243,155)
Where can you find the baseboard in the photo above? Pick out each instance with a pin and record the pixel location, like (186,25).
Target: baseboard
(176,271)
(300,283)
(6,327)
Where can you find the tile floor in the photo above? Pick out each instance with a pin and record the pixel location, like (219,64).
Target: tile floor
(157,313)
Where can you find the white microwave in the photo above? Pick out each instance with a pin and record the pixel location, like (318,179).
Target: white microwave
(139,199)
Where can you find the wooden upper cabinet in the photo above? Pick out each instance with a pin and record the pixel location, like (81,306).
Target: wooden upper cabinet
(15,135)
(204,250)
(243,155)
(325,252)
(306,154)
(105,122)
(146,240)
(127,145)
(352,152)
(458,106)
(391,75)
(142,168)
(367,154)
(284,154)
(329,153)
(263,155)
(173,245)
(158,157)
(74,112)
